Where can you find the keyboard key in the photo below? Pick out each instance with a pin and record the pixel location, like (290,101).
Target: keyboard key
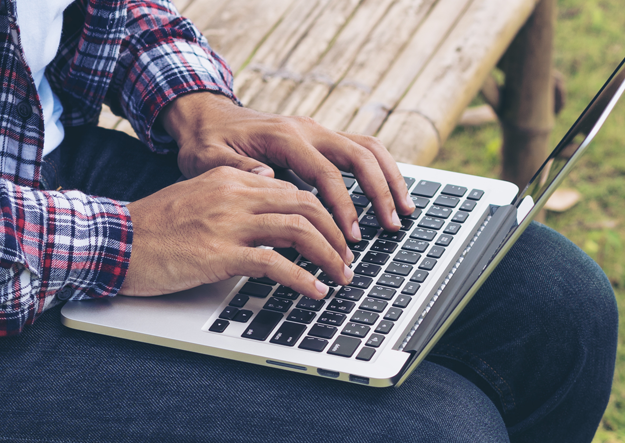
(368,233)
(219,325)
(347,293)
(340,305)
(415,214)
(456,191)
(278,304)
(228,313)
(332,318)
(349,182)
(262,325)
(371,304)
(325,278)
(422,234)
(460,217)
(358,190)
(426,189)
(393,236)
(377,258)
(344,346)
(468,206)
(411,288)
(475,194)
(367,318)
(289,253)
(285,292)
(243,316)
(402,301)
(420,202)
(239,300)
(308,266)
(415,245)
(368,269)
(360,246)
(313,344)
(347,174)
(323,331)
(439,211)
(407,257)
(310,304)
(356,330)
(384,246)
(365,354)
(360,200)
(390,280)
(393,314)
(375,340)
(382,292)
(419,276)
(406,224)
(409,181)
(384,327)
(431,223)
(444,240)
(399,269)
(452,228)
(427,264)
(370,221)
(288,333)
(301,316)
(361,281)
(263,280)
(436,252)
(447,201)
(256,290)
(359,210)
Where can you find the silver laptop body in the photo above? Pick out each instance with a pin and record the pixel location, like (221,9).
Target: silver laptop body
(355,342)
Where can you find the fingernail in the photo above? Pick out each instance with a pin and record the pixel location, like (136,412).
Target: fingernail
(349,255)
(395,218)
(261,170)
(410,202)
(349,274)
(356,231)
(322,288)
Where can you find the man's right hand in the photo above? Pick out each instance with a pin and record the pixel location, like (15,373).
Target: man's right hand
(208,228)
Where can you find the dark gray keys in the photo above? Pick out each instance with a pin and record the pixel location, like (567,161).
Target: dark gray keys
(375,340)
(415,245)
(409,181)
(415,214)
(422,234)
(358,190)
(239,300)
(371,304)
(323,331)
(475,194)
(427,264)
(382,292)
(360,246)
(219,325)
(439,211)
(436,252)
(361,281)
(444,240)
(262,325)
(447,201)
(344,346)
(393,314)
(365,354)
(243,316)
(411,288)
(393,236)
(456,191)
(406,224)
(460,217)
(310,304)
(431,223)
(407,257)
(364,317)
(301,316)
(348,293)
(289,253)
(313,344)
(370,221)
(349,182)
(325,278)
(390,280)
(263,280)
(284,292)
(277,304)
(347,174)
(288,333)
(452,228)
(368,269)
(384,246)
(228,313)
(356,330)
(426,189)
(340,305)
(332,318)
(402,269)
(384,327)
(419,276)
(377,258)
(308,266)
(368,233)
(402,301)
(255,290)
(420,202)
(359,200)
(467,206)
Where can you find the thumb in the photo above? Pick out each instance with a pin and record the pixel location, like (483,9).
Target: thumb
(216,155)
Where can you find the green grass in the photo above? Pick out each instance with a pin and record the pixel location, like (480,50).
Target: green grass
(590,42)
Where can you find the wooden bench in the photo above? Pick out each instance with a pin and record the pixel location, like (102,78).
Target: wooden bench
(403,70)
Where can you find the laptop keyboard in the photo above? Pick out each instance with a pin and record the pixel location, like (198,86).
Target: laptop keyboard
(389,268)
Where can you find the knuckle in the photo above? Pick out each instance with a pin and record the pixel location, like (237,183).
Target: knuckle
(307,199)
(297,223)
(303,120)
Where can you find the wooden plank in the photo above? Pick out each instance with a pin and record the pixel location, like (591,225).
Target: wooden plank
(408,65)
(373,60)
(201,12)
(181,5)
(454,75)
(241,26)
(334,63)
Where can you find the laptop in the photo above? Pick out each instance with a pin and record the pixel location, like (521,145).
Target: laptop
(408,287)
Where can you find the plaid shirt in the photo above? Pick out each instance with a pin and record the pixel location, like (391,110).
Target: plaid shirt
(135,55)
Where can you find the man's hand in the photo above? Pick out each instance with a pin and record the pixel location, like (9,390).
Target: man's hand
(211,131)
(206,229)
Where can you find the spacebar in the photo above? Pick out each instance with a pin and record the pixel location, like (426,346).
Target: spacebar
(262,325)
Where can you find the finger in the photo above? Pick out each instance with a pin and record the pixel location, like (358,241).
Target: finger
(228,175)
(292,230)
(221,155)
(288,201)
(394,178)
(268,263)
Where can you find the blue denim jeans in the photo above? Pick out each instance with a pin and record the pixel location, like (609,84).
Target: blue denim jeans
(530,359)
